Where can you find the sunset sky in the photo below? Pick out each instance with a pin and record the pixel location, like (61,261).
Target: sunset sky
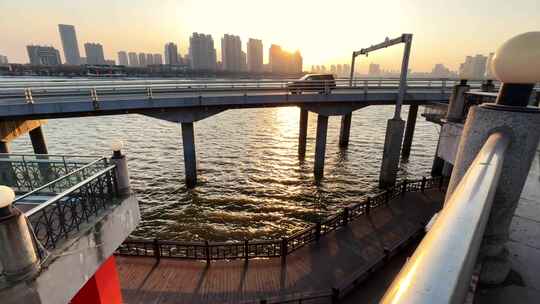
(324,31)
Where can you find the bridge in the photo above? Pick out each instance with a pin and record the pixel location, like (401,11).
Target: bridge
(186,102)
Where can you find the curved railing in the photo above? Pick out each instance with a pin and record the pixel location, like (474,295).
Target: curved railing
(441,267)
(204,250)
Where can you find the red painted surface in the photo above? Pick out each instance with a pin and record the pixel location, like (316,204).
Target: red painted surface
(102,288)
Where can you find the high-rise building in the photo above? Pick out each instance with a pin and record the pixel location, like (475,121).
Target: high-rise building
(171,54)
(296,63)
(489,70)
(202,53)
(440,71)
(122,58)
(374,69)
(142,59)
(149,59)
(339,70)
(284,62)
(43,55)
(69,44)
(255,55)
(3,59)
(333,69)
(231,53)
(133,59)
(347,69)
(94,53)
(158,59)
(473,67)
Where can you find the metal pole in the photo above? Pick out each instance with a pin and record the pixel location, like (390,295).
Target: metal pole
(352,69)
(407,38)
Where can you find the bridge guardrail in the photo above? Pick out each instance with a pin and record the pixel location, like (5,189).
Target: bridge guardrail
(30,92)
(208,251)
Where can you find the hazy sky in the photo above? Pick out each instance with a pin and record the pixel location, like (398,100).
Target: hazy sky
(445,31)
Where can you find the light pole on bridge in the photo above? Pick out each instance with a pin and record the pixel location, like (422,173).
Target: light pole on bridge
(395,125)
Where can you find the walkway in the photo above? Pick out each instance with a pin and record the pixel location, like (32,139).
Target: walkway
(339,260)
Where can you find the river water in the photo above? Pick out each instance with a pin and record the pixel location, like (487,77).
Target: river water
(251,182)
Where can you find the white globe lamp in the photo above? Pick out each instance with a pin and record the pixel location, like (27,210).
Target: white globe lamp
(517,65)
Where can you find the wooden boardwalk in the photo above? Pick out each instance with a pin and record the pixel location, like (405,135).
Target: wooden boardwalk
(337,260)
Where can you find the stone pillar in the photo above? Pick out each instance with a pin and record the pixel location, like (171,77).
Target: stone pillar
(409,131)
(523,126)
(190,161)
(122,173)
(38,141)
(392,149)
(345,131)
(456,103)
(103,287)
(447,169)
(302,134)
(320,146)
(18,254)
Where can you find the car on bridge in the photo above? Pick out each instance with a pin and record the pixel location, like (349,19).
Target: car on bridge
(322,83)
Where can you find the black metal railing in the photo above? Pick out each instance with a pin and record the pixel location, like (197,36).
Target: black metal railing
(64,214)
(66,181)
(26,172)
(204,250)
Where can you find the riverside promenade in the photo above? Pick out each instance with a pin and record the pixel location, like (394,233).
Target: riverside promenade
(319,272)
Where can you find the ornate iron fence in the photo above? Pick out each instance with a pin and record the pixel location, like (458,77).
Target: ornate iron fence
(59,217)
(272,248)
(27,172)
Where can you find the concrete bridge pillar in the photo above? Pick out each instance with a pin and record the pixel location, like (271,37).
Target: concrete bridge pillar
(320,146)
(456,103)
(409,131)
(345,130)
(190,161)
(302,134)
(4,147)
(392,149)
(38,141)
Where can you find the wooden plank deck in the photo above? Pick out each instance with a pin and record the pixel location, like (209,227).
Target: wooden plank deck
(340,256)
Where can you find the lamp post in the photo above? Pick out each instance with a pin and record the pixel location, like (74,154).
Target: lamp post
(18,255)
(517,65)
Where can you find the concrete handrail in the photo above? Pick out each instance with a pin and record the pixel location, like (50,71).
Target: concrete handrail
(441,267)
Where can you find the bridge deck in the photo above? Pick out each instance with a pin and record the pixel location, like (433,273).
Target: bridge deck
(337,259)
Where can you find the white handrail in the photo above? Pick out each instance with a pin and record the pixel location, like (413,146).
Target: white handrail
(441,267)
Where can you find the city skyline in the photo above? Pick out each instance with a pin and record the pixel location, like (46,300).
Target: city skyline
(328,42)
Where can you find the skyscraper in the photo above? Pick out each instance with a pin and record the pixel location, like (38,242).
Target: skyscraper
(489,70)
(231,53)
(255,55)
(202,52)
(133,59)
(158,59)
(70,44)
(374,69)
(149,59)
(94,53)
(122,58)
(171,54)
(284,62)
(142,59)
(473,67)
(43,55)
(3,59)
